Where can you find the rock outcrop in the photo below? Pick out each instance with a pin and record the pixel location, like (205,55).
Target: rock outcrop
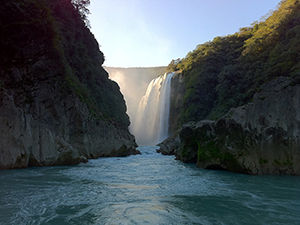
(170,146)
(176,102)
(55,130)
(57,105)
(262,137)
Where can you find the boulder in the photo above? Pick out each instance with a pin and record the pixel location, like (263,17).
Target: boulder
(170,146)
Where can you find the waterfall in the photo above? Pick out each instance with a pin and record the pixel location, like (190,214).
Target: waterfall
(151,124)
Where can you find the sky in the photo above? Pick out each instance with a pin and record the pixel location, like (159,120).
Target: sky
(149,33)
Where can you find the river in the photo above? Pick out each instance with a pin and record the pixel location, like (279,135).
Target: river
(145,189)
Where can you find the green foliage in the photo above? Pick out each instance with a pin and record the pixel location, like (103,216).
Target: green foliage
(48,40)
(227,71)
(209,151)
(24,25)
(263,161)
(173,65)
(287,162)
(81,8)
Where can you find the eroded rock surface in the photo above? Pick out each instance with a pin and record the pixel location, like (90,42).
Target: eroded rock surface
(170,146)
(54,129)
(57,105)
(262,137)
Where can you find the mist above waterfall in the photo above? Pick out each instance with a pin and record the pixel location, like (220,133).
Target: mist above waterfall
(133,83)
(147,95)
(151,124)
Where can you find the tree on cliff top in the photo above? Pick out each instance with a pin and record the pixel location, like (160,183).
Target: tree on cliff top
(81,7)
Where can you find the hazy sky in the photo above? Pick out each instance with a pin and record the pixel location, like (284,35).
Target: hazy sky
(146,33)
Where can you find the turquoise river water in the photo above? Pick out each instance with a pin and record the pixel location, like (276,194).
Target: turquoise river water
(145,189)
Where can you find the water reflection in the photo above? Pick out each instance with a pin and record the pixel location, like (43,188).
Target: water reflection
(145,189)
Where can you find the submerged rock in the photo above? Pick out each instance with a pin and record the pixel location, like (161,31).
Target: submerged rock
(262,137)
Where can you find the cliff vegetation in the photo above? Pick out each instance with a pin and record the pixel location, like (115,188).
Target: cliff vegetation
(227,71)
(50,40)
(240,109)
(57,105)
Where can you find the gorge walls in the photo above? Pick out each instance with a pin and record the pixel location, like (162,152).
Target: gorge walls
(57,105)
(176,102)
(55,130)
(240,108)
(262,137)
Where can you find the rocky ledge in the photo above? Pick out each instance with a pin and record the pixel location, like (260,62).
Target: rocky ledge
(57,104)
(170,146)
(56,129)
(262,137)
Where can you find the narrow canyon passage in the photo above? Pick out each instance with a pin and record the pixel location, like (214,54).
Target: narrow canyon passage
(80,91)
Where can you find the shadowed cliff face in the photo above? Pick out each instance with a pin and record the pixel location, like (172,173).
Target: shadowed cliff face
(55,130)
(57,105)
(262,137)
(176,102)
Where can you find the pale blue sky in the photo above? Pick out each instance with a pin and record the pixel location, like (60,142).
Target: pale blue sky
(146,33)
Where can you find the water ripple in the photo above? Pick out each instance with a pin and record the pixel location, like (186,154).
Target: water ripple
(145,189)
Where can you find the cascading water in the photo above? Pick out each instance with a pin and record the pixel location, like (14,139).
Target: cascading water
(152,119)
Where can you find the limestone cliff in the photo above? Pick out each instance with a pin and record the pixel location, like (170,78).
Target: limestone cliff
(262,137)
(57,105)
(55,130)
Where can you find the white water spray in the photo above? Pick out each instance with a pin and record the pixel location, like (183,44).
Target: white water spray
(151,124)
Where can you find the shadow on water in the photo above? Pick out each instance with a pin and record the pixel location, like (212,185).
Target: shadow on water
(145,189)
